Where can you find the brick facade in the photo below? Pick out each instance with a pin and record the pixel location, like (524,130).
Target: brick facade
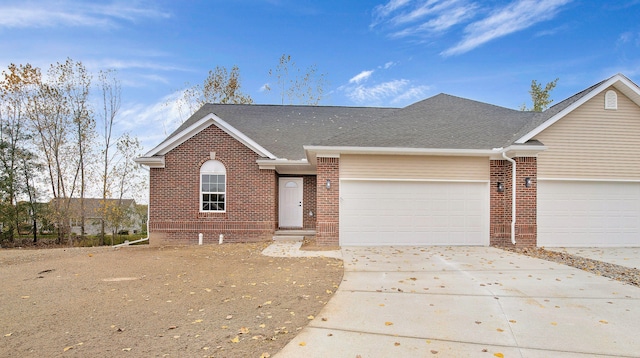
(526,202)
(327,232)
(251,193)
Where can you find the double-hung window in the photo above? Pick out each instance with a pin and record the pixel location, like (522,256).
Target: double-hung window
(213,186)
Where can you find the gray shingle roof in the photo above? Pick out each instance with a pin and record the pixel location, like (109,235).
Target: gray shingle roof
(442,121)
(284,130)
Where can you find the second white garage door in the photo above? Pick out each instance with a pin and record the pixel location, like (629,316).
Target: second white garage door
(414,213)
(588,214)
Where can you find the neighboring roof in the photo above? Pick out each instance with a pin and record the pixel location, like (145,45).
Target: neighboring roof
(284,130)
(442,121)
(92,206)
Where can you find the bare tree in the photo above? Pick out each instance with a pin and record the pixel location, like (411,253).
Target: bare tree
(60,120)
(295,85)
(111,93)
(220,86)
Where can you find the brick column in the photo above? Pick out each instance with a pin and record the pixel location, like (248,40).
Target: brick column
(500,203)
(526,203)
(327,203)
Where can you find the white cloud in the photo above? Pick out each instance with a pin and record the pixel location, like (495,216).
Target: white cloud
(516,16)
(388,65)
(431,18)
(399,91)
(152,123)
(72,14)
(362,76)
(382,11)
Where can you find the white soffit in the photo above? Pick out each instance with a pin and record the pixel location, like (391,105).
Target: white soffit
(619,82)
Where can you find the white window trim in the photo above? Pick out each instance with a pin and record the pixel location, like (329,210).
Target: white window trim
(221,170)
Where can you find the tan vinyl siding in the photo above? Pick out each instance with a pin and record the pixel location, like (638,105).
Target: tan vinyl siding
(414,167)
(593,143)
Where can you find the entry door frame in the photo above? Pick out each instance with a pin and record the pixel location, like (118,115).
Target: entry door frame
(290,202)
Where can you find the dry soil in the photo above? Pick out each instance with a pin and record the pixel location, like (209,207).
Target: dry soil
(186,301)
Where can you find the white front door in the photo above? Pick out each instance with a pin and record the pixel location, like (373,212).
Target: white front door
(290,204)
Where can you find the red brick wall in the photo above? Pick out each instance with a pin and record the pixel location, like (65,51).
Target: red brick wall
(309,202)
(526,203)
(328,201)
(251,197)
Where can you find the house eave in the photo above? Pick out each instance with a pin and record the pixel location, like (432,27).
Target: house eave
(523,150)
(288,167)
(151,162)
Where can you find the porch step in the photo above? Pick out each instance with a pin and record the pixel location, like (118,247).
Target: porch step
(292,235)
(293,232)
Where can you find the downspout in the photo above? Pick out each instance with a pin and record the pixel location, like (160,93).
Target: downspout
(513,197)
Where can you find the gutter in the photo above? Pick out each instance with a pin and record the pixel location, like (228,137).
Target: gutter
(513,197)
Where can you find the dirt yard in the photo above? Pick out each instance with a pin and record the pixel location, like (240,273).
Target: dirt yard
(188,301)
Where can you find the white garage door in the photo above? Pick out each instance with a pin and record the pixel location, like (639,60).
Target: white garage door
(588,214)
(414,213)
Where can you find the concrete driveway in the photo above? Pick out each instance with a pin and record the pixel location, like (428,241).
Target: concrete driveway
(469,302)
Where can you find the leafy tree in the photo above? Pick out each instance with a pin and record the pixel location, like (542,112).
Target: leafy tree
(295,85)
(16,178)
(540,96)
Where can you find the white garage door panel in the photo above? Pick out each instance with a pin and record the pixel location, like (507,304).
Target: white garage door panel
(413,213)
(583,214)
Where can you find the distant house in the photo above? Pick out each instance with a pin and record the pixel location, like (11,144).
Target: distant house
(119,215)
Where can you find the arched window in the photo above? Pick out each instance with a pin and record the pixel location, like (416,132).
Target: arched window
(213,186)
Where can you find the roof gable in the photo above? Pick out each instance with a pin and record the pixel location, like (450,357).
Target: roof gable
(192,127)
(547,118)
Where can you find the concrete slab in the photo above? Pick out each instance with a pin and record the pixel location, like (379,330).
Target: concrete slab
(465,301)
(623,256)
(291,248)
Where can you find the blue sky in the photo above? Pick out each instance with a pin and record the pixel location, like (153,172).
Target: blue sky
(374,53)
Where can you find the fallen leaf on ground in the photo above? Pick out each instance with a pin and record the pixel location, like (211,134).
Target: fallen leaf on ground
(243,330)
(265,355)
(236,339)
(396,344)
(8,335)
(499,329)
(302,344)
(310,317)
(126,349)
(388,323)
(554,323)
(433,351)
(603,321)
(67,348)
(499,355)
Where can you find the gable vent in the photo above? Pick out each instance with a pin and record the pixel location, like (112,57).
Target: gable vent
(611,100)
